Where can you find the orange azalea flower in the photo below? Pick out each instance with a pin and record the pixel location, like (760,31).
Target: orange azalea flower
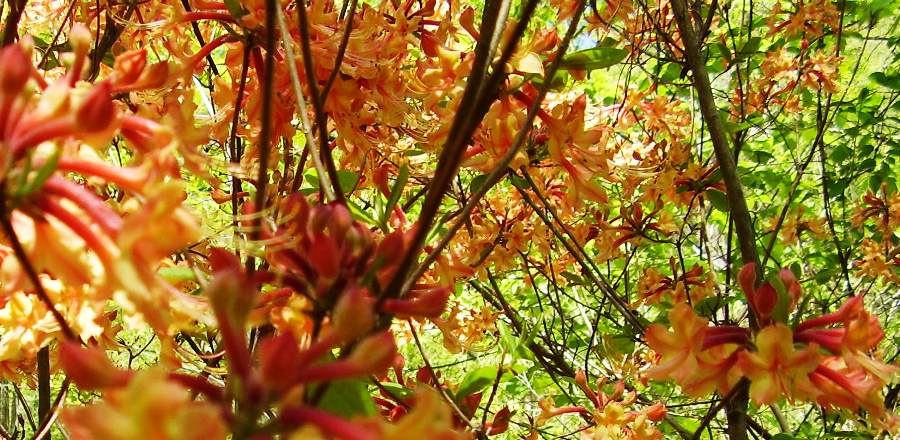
(150,406)
(794,224)
(697,357)
(654,287)
(679,348)
(843,386)
(776,368)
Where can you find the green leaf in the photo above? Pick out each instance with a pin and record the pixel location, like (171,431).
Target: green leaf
(177,274)
(591,59)
(396,192)
(749,48)
(347,180)
(397,390)
(622,344)
(779,314)
(718,200)
(840,153)
(723,50)
(235,8)
(558,83)
(358,213)
(518,182)
(783,436)
(348,398)
(476,380)
(890,81)
(476,182)
(707,306)
(43,173)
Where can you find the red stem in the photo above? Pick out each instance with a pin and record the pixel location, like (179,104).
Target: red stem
(55,128)
(333,425)
(95,208)
(131,179)
(207,15)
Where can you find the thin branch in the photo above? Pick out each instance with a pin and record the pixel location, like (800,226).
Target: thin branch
(318,104)
(286,41)
(503,165)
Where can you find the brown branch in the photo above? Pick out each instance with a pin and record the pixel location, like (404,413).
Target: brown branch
(11,28)
(736,406)
(502,166)
(342,49)
(47,422)
(265,135)
(318,104)
(473,107)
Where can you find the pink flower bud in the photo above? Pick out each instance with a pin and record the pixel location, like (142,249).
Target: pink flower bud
(791,285)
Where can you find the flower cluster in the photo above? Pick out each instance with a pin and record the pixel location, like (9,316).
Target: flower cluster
(828,359)
(609,416)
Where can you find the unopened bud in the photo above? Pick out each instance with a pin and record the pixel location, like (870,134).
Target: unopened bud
(747,278)
(791,285)
(130,65)
(375,354)
(353,315)
(97,111)
(764,300)
(15,69)
(656,412)
(276,356)
(430,304)
(89,367)
(327,256)
(380,176)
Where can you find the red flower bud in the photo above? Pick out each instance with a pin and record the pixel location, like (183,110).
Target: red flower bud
(430,44)
(276,357)
(380,176)
(129,66)
(326,256)
(97,111)
(15,68)
(430,304)
(89,367)
(764,300)
(747,278)
(353,315)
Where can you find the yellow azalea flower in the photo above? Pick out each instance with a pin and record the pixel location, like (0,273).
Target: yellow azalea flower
(776,369)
